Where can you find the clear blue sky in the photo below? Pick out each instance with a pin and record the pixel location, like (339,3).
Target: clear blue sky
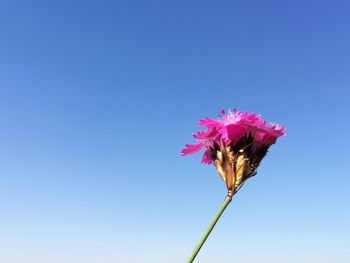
(97,98)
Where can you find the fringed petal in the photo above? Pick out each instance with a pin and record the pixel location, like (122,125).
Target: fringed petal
(210,123)
(207,159)
(192,148)
(205,135)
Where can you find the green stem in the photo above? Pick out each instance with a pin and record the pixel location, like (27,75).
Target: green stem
(210,228)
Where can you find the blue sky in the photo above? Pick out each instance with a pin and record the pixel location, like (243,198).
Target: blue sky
(97,98)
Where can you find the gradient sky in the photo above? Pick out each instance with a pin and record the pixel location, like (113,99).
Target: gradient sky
(97,98)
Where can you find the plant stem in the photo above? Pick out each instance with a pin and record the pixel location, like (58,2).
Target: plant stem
(210,228)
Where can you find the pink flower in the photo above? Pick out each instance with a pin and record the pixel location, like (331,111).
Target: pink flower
(235,143)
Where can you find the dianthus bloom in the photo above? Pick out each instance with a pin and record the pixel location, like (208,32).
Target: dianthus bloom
(235,143)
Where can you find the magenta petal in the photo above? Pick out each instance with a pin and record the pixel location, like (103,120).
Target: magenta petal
(209,123)
(260,136)
(270,140)
(268,134)
(205,134)
(192,148)
(207,157)
(235,132)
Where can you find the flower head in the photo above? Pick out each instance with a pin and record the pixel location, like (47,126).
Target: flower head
(235,143)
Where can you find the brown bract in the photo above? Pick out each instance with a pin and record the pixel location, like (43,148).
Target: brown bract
(235,163)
